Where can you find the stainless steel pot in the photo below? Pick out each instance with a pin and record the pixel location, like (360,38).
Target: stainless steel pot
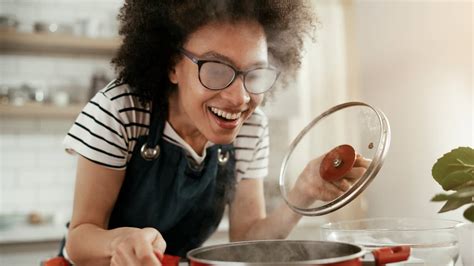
(293,252)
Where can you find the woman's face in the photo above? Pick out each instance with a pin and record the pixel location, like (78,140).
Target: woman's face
(196,111)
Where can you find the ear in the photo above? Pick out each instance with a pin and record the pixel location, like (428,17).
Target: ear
(172,75)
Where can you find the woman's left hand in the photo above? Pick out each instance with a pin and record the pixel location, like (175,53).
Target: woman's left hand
(310,186)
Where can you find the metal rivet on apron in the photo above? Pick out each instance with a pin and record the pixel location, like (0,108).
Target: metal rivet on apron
(150,153)
(222,158)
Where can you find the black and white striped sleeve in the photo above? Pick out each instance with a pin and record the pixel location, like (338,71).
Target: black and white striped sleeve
(99,134)
(252,147)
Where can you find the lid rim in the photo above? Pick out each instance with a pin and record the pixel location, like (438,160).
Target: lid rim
(374,167)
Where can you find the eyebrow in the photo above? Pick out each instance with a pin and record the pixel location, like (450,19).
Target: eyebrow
(226,59)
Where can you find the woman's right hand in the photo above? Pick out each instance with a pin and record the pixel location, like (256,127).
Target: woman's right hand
(139,247)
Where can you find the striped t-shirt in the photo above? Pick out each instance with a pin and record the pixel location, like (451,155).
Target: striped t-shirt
(109,126)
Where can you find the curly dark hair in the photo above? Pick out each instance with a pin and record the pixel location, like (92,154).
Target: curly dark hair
(154,30)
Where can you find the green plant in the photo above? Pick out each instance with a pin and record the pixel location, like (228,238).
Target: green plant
(454,171)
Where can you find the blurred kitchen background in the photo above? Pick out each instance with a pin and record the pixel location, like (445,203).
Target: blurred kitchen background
(412,59)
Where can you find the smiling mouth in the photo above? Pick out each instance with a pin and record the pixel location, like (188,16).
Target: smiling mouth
(226,116)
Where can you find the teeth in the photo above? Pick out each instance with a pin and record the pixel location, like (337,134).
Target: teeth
(226,115)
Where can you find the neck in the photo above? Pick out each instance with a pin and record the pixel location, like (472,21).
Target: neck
(186,130)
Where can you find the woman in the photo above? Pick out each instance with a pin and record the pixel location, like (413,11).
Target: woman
(179,134)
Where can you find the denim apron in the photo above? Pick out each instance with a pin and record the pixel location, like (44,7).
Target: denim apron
(164,189)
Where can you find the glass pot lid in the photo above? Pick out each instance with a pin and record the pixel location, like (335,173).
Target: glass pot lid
(333,141)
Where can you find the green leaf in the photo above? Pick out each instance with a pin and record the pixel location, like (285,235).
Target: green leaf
(465,192)
(469,213)
(456,179)
(460,159)
(453,204)
(440,197)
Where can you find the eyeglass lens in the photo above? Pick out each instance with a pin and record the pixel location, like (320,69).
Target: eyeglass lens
(216,76)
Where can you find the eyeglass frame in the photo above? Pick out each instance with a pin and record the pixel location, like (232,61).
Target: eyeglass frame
(199,62)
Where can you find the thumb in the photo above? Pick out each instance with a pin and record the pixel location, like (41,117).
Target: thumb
(155,238)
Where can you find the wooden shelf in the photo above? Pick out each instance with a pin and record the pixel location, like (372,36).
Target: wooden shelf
(11,41)
(36,110)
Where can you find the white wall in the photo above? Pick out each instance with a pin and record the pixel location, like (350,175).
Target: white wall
(413,59)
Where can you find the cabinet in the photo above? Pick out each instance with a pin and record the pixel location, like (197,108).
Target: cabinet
(44,44)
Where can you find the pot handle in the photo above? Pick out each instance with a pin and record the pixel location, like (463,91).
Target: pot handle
(166,259)
(386,255)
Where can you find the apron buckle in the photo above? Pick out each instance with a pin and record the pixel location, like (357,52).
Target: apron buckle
(222,158)
(150,153)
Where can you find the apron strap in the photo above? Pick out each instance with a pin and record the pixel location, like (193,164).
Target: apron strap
(150,150)
(157,124)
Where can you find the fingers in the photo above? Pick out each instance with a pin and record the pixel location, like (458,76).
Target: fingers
(151,254)
(355,173)
(315,187)
(124,255)
(349,179)
(362,162)
(140,248)
(342,184)
(158,243)
(146,255)
(360,167)
(330,192)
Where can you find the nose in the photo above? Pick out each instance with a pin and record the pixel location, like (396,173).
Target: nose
(236,92)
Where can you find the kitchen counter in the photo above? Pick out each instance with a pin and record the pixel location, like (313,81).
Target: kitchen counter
(26,244)
(29,244)
(25,233)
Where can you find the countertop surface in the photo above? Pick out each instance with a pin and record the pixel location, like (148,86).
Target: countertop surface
(29,233)
(26,233)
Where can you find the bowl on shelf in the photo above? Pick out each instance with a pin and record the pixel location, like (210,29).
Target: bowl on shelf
(8,220)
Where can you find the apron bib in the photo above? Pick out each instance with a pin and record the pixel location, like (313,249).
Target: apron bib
(183,201)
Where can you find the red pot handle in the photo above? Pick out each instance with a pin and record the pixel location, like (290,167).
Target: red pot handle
(386,255)
(56,261)
(167,260)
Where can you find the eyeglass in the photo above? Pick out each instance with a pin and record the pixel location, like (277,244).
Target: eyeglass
(216,75)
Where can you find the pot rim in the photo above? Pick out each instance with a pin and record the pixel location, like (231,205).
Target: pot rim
(191,253)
